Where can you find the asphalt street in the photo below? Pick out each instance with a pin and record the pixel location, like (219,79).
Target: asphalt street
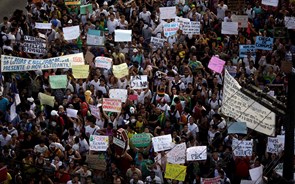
(7,7)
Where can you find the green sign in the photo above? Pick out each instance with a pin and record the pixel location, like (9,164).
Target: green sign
(141,140)
(83,9)
(58,81)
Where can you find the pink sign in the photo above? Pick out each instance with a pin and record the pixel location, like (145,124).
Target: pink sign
(216,64)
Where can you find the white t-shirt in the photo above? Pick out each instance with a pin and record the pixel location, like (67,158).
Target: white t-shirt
(39,149)
(112,25)
(4,140)
(221,11)
(193,128)
(145,16)
(95,84)
(91,131)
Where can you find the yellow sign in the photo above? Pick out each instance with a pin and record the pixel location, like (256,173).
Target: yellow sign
(80,71)
(46,99)
(175,172)
(121,70)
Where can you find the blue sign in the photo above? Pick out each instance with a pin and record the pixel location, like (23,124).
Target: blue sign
(237,128)
(170,29)
(264,43)
(245,49)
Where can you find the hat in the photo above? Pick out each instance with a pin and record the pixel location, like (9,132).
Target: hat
(105,3)
(54,113)
(30,99)
(135,50)
(60,107)
(70,21)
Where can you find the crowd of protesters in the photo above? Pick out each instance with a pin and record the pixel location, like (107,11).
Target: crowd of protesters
(43,145)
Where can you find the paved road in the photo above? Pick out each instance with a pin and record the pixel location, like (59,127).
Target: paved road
(7,7)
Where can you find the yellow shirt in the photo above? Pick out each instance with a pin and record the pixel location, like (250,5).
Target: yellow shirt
(9,178)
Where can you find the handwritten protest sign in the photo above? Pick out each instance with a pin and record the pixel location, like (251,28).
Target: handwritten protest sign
(181,21)
(103,62)
(121,70)
(94,37)
(46,99)
(177,154)
(242,147)
(289,22)
(162,143)
(139,82)
(123,35)
(72,113)
(132,97)
(58,81)
(215,180)
(216,64)
(89,58)
(39,25)
(98,143)
(80,71)
(167,12)
(196,153)
(111,105)
(118,94)
(275,144)
(192,28)
(85,8)
(95,111)
(247,182)
(230,28)
(71,33)
(264,43)
(170,29)
(245,49)
(175,172)
(97,162)
(72,2)
(242,20)
(273,3)
(157,42)
(256,174)
(254,114)
(141,140)
(237,128)
(34,45)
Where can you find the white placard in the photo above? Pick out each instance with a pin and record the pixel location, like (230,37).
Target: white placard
(71,33)
(275,144)
(42,25)
(72,113)
(123,35)
(235,104)
(177,154)
(242,147)
(192,28)
(196,153)
(290,22)
(162,143)
(168,12)
(230,28)
(139,82)
(273,3)
(157,42)
(256,174)
(118,94)
(13,113)
(181,21)
(242,20)
(98,143)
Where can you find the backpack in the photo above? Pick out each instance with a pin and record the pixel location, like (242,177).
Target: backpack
(1,39)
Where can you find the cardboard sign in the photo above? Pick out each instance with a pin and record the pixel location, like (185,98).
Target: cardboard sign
(97,162)
(275,144)
(141,140)
(103,62)
(39,25)
(58,81)
(177,154)
(237,128)
(230,28)
(157,42)
(215,180)
(71,33)
(196,153)
(170,29)
(123,35)
(120,141)
(167,12)
(98,143)
(46,99)
(94,111)
(80,71)
(162,143)
(289,22)
(72,113)
(89,58)
(242,20)
(273,3)
(118,94)
(254,114)
(245,49)
(84,8)
(111,105)
(121,70)
(192,28)
(216,64)
(175,172)
(94,38)
(242,147)
(139,82)
(264,43)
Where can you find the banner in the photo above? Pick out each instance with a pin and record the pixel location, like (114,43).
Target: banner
(162,143)
(72,113)
(245,49)
(94,37)
(273,3)
(230,28)
(237,128)
(242,147)
(177,154)
(80,71)
(290,22)
(84,8)
(275,144)
(242,20)
(111,105)
(118,94)
(46,99)
(242,108)
(264,43)
(73,2)
(216,64)
(71,33)
(58,81)
(103,62)
(192,28)
(167,12)
(39,25)
(123,35)
(157,42)
(175,172)
(98,143)
(196,153)
(170,29)
(215,180)
(139,82)
(121,70)
(141,140)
